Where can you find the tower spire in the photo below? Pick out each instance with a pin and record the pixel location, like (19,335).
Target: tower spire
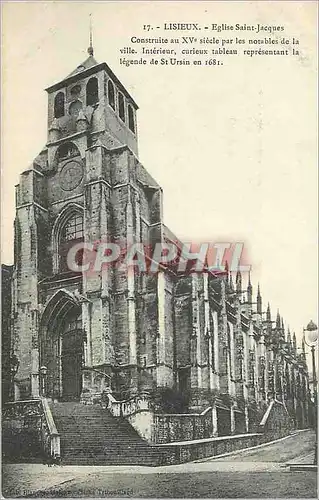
(282,331)
(227,272)
(231,283)
(90,48)
(278,322)
(249,290)
(259,301)
(238,282)
(294,342)
(268,313)
(289,338)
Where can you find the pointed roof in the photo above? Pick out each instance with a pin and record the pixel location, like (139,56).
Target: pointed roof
(259,301)
(89,67)
(231,283)
(226,267)
(294,341)
(249,286)
(282,331)
(227,272)
(268,312)
(87,64)
(249,290)
(278,320)
(238,282)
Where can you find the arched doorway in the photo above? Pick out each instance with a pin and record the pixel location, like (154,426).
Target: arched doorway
(62,347)
(72,357)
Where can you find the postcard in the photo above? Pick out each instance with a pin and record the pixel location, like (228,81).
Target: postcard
(159,244)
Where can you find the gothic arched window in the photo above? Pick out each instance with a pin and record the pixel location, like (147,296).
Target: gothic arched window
(71,234)
(59,105)
(121,107)
(73,229)
(131,123)
(92,92)
(111,94)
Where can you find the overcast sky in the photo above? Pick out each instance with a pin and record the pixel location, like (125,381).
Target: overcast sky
(234,148)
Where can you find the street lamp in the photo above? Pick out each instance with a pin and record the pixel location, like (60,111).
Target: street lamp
(14,367)
(43,373)
(311,331)
(311,334)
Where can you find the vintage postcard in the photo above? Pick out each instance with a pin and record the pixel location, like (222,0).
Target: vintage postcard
(159,244)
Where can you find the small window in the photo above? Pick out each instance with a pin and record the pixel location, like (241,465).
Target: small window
(75,108)
(75,91)
(67,150)
(121,107)
(59,105)
(131,123)
(92,92)
(111,94)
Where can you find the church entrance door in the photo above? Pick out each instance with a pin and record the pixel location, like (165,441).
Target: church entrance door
(72,354)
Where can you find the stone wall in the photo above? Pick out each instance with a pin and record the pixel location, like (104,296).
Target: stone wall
(189,451)
(184,427)
(6,325)
(22,431)
(276,422)
(29,433)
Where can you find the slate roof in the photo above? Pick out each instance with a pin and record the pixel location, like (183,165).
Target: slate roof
(88,63)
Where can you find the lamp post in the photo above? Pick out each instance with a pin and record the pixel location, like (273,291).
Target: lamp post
(14,366)
(311,339)
(311,332)
(43,373)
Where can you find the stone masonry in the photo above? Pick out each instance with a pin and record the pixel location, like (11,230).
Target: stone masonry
(86,333)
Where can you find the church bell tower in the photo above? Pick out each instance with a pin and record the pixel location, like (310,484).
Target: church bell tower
(69,194)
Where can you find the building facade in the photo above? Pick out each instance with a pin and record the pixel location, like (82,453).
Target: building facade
(7,365)
(79,334)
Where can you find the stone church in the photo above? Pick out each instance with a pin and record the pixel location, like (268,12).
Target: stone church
(77,335)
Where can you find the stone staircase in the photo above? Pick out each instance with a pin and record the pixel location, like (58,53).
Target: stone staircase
(90,435)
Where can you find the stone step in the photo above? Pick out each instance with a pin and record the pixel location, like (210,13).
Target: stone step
(90,435)
(111,461)
(99,442)
(104,447)
(107,446)
(101,434)
(108,452)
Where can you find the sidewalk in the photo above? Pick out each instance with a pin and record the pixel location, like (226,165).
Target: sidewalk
(303,463)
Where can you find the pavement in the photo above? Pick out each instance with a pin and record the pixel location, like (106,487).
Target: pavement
(261,472)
